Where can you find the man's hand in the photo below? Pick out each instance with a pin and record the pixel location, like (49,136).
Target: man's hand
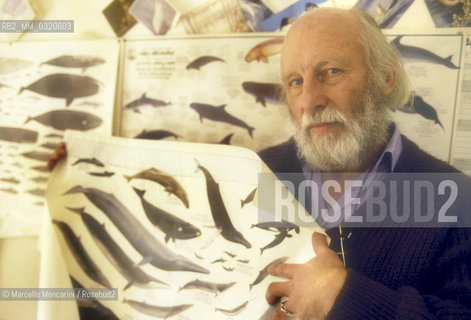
(59,153)
(312,287)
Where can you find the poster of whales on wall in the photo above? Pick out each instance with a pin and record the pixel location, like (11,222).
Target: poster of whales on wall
(432,63)
(46,88)
(204,89)
(173,226)
(226,90)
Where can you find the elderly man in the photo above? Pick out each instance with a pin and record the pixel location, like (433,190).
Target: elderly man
(340,77)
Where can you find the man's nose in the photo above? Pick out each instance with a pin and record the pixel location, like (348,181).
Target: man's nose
(314,95)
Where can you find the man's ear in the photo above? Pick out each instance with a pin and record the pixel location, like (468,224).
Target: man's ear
(389,84)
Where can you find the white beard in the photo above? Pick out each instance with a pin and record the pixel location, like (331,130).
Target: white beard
(362,134)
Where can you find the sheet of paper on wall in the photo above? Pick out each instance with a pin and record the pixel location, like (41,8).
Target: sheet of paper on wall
(287,16)
(278,5)
(432,63)
(157,15)
(461,152)
(45,88)
(385,12)
(216,16)
(118,16)
(14,10)
(211,89)
(171,225)
(255,12)
(184,6)
(446,14)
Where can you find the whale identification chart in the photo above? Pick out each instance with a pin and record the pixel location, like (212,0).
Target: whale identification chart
(174,226)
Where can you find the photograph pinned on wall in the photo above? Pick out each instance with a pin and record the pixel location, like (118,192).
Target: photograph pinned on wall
(385,12)
(217,16)
(286,17)
(449,13)
(118,16)
(255,12)
(157,15)
(15,10)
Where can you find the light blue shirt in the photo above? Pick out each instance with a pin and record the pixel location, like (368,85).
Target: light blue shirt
(355,192)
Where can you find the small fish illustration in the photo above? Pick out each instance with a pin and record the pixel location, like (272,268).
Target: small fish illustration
(4,86)
(68,119)
(264,49)
(278,239)
(157,311)
(40,168)
(264,92)
(226,139)
(76,61)
(202,61)
(249,198)
(9,190)
(37,155)
(417,53)
(63,85)
(234,311)
(51,146)
(37,192)
(143,100)
(243,261)
(55,135)
(232,255)
(264,272)
(219,260)
(170,184)
(93,161)
(10,180)
(156,134)
(207,286)
(40,179)
(13,134)
(219,114)
(228,269)
(101,174)
(90,103)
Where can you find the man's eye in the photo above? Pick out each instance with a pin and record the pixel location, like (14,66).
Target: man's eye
(296,82)
(333,71)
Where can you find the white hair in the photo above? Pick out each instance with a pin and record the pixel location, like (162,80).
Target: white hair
(382,59)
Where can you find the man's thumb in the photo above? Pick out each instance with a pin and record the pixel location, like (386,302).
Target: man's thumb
(319,242)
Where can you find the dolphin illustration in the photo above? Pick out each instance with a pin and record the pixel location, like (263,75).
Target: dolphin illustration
(416,104)
(220,114)
(417,53)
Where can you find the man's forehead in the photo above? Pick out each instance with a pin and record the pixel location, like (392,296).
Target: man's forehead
(325,21)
